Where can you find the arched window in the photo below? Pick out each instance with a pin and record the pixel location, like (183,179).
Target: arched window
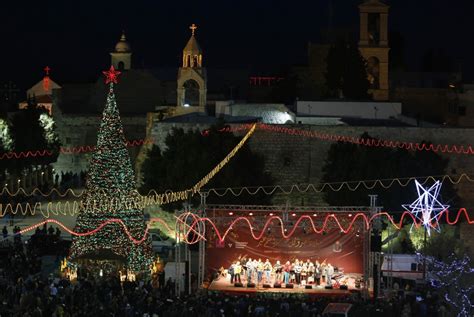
(121,65)
(373,72)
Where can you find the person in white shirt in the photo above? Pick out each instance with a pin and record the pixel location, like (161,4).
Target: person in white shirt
(329,274)
(250,270)
(267,268)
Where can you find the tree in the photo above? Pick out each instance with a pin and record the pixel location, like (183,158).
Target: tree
(346,72)
(189,155)
(33,129)
(351,162)
(111,193)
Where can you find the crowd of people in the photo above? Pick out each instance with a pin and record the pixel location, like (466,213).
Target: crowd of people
(26,291)
(297,272)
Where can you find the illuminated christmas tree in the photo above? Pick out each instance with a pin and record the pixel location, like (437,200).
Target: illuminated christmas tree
(111,194)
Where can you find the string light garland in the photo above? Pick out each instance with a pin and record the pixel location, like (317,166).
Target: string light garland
(337,186)
(329,221)
(395,144)
(68,150)
(69,208)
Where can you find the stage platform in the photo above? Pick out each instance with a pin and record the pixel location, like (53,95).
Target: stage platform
(223,285)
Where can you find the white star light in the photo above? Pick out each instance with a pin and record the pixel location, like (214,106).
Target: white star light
(427,207)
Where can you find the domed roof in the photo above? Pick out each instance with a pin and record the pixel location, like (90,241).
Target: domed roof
(192,47)
(122,46)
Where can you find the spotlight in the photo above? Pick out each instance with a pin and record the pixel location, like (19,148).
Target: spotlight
(251,214)
(350,215)
(186,105)
(231,213)
(314,215)
(271,214)
(293,214)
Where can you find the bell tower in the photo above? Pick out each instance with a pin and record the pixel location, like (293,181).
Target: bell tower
(192,76)
(373,45)
(122,54)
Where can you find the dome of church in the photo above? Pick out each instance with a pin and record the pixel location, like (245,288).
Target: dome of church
(122,46)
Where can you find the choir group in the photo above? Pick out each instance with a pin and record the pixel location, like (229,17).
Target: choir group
(297,272)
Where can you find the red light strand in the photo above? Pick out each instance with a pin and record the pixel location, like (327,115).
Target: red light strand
(198,235)
(67,150)
(411,146)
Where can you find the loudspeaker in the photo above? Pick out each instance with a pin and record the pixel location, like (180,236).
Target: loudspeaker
(289,285)
(277,285)
(266,286)
(376,242)
(250,284)
(238,284)
(308,286)
(328,287)
(343,287)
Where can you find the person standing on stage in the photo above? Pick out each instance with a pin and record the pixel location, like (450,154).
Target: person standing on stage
(297,270)
(231,272)
(237,271)
(254,266)
(329,274)
(250,269)
(278,269)
(259,271)
(317,273)
(304,273)
(310,272)
(286,272)
(267,268)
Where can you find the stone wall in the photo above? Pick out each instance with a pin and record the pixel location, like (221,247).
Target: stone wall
(295,160)
(79,130)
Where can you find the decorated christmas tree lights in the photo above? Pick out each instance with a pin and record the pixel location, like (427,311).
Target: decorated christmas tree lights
(110,193)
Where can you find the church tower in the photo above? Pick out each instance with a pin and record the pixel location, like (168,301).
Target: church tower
(122,55)
(192,77)
(373,45)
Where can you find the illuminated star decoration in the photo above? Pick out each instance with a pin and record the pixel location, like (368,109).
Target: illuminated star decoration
(111,75)
(427,207)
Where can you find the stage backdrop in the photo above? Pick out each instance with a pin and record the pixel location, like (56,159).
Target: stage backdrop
(339,249)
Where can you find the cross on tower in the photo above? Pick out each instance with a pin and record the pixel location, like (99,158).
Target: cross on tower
(193,28)
(47,69)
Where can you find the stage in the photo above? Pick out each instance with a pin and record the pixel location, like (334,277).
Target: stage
(222,284)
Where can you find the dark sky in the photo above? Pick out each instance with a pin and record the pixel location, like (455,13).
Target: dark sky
(75,37)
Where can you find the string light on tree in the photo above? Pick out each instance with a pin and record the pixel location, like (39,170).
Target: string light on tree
(427,207)
(110,191)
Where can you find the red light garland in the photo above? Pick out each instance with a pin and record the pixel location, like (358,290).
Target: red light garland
(412,146)
(196,220)
(68,150)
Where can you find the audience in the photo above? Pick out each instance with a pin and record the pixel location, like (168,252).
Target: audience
(24,291)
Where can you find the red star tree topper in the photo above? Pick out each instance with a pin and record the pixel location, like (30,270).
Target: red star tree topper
(111,75)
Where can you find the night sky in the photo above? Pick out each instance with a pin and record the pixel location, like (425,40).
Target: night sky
(75,37)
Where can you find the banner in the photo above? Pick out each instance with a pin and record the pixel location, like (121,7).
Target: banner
(344,251)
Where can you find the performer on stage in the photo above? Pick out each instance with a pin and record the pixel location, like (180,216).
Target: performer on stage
(267,268)
(317,273)
(329,274)
(259,271)
(297,270)
(278,270)
(286,272)
(250,270)
(304,273)
(237,271)
(310,272)
(231,272)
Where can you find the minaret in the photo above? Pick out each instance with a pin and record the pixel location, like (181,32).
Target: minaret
(192,77)
(373,45)
(122,55)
